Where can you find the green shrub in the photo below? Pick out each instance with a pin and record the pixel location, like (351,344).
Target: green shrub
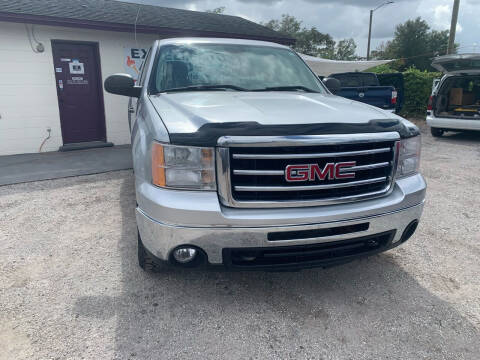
(418,88)
(382,69)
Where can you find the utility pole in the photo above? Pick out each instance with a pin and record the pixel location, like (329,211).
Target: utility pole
(369,35)
(453,27)
(370,26)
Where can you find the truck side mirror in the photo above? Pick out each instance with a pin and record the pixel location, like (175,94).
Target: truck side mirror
(122,84)
(332,84)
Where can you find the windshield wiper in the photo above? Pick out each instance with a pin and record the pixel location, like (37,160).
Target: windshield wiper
(205,88)
(238,88)
(288,88)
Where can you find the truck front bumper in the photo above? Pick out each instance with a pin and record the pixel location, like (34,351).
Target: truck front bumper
(167,219)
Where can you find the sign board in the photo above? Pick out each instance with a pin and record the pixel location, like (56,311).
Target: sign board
(133,61)
(76,67)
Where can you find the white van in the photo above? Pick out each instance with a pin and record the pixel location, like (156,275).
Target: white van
(455,102)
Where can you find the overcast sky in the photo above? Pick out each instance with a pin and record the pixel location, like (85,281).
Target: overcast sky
(349,18)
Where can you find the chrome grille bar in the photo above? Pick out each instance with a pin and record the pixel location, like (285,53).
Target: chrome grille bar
(310,187)
(282,172)
(365,167)
(254,191)
(311,156)
(306,140)
(258,172)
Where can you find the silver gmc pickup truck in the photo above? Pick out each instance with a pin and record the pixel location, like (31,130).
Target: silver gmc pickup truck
(244,158)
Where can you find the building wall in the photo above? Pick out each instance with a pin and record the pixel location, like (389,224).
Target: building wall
(28,96)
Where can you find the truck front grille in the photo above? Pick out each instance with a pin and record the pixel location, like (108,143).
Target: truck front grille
(256,175)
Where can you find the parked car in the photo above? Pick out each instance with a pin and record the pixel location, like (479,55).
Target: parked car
(366,88)
(243,158)
(455,101)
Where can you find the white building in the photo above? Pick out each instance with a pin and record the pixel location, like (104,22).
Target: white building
(55,55)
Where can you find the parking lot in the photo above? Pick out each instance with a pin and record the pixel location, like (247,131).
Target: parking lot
(70,287)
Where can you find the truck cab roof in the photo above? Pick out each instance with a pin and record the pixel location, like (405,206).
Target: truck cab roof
(200,40)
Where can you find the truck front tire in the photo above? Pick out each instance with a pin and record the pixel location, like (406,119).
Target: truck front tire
(436,132)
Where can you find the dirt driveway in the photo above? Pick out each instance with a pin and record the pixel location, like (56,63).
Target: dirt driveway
(70,287)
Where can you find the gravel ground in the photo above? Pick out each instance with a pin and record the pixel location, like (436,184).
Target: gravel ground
(70,287)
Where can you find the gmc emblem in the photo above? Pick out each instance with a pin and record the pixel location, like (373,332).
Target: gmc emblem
(312,172)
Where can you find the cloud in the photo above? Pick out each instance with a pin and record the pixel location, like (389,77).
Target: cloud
(348,18)
(443,16)
(357,3)
(266,2)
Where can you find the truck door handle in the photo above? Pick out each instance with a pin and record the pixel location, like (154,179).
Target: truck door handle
(131,109)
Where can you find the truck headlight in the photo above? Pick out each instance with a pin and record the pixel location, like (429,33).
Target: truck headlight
(409,156)
(183,167)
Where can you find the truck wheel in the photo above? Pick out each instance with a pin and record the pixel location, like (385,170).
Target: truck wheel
(146,261)
(436,132)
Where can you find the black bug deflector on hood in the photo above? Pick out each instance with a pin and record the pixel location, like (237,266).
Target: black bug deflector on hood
(200,118)
(208,134)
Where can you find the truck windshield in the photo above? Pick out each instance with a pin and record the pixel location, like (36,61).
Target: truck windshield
(231,67)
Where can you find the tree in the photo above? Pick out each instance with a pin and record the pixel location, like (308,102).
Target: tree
(383,51)
(438,42)
(415,44)
(218,10)
(288,25)
(308,41)
(345,50)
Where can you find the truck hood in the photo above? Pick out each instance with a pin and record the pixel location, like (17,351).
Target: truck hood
(200,118)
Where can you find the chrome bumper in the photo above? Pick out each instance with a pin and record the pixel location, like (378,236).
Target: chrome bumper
(168,218)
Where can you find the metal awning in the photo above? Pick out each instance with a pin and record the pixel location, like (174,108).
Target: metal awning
(325,67)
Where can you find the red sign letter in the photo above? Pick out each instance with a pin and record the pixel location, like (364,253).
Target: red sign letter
(342,175)
(296,173)
(315,172)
